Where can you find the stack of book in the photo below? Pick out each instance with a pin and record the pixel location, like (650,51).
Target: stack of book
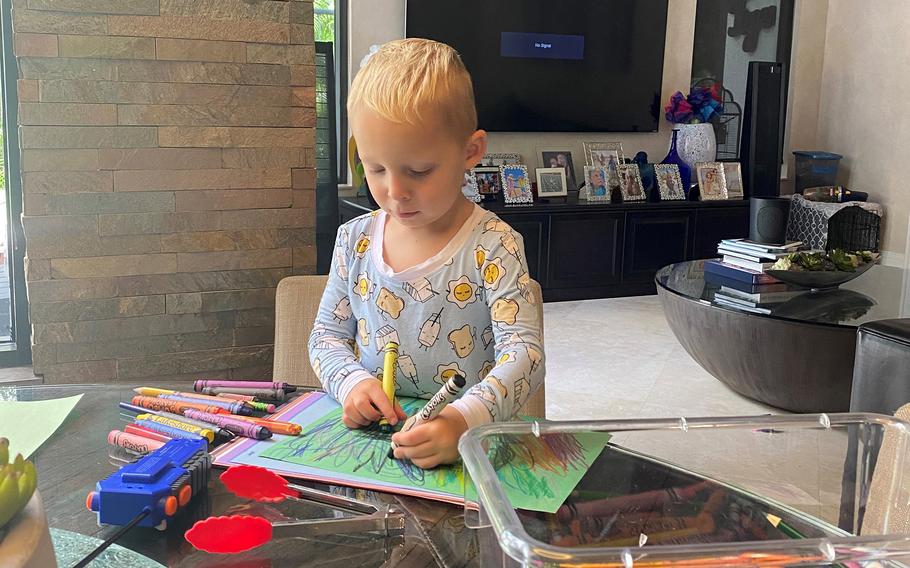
(747,261)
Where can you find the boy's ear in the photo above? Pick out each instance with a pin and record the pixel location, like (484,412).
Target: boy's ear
(476,148)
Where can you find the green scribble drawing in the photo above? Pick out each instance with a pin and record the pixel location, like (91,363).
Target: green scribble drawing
(537,473)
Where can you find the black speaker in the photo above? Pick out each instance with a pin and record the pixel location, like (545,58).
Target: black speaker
(768,219)
(763,128)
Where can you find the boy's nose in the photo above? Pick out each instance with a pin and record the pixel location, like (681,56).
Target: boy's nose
(398,188)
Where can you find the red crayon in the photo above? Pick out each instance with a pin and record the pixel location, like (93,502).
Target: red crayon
(133,442)
(146,433)
(175,406)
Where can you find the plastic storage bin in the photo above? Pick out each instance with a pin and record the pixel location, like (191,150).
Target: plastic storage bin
(704,492)
(815,169)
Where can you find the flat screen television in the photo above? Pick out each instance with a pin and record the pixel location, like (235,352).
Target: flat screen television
(555,65)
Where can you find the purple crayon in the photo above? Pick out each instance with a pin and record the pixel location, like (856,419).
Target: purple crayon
(232,406)
(277,395)
(286,387)
(239,427)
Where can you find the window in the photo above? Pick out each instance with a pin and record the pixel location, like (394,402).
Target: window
(15,329)
(329,25)
(324,20)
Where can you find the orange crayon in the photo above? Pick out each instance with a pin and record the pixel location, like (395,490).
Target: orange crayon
(175,406)
(277,427)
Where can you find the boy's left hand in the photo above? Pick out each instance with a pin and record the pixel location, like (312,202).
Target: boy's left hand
(434,442)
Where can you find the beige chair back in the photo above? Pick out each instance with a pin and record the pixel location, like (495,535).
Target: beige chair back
(296,305)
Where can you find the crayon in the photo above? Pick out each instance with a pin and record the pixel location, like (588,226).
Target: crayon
(232,406)
(169,430)
(783,527)
(277,427)
(251,400)
(206,399)
(206,433)
(220,432)
(645,501)
(276,395)
(146,433)
(388,377)
(434,406)
(133,442)
(173,406)
(241,427)
(228,385)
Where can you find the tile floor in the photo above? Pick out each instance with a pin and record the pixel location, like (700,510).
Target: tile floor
(617,358)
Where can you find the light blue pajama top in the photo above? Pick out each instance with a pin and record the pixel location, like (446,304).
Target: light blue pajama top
(466,310)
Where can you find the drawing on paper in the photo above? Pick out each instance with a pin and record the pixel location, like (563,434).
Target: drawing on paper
(537,473)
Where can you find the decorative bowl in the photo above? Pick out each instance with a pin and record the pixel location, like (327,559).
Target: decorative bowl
(818,279)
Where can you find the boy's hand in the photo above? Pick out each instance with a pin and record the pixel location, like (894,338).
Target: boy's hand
(367,403)
(433,442)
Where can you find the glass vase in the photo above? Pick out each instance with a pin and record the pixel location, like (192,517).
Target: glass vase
(696,143)
(673,157)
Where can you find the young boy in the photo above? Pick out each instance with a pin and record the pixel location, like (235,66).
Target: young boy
(432,271)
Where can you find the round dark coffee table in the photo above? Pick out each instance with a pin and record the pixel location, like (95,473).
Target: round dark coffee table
(783,345)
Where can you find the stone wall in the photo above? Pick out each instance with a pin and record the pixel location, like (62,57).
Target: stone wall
(168,178)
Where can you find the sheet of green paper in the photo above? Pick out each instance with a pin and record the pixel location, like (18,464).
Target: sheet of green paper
(327,444)
(28,424)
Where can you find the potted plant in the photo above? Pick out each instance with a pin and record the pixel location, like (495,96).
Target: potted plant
(25,539)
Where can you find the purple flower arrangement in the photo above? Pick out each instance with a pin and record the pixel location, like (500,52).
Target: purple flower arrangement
(701,105)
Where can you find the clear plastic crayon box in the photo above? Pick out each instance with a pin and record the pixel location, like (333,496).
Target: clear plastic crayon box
(796,490)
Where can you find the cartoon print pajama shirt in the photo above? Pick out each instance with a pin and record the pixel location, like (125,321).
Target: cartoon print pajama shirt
(466,310)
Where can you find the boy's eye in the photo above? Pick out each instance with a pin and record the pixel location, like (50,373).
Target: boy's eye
(418,173)
(377,170)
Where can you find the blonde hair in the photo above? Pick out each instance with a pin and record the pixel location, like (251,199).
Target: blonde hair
(409,80)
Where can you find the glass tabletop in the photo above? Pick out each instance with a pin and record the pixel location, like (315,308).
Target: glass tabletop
(78,455)
(874,295)
(436,535)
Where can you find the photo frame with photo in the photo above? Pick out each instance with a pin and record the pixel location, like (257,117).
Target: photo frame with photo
(469,187)
(597,184)
(711,182)
(559,159)
(669,182)
(630,184)
(500,159)
(733,177)
(516,186)
(489,184)
(604,154)
(551,182)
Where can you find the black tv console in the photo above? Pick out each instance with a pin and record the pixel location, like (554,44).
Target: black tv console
(579,250)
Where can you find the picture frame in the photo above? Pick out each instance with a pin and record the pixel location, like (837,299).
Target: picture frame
(733,177)
(711,183)
(630,184)
(489,183)
(551,182)
(500,159)
(669,182)
(599,153)
(559,158)
(469,187)
(597,184)
(516,186)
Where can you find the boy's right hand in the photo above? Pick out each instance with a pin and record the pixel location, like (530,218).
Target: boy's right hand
(367,403)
